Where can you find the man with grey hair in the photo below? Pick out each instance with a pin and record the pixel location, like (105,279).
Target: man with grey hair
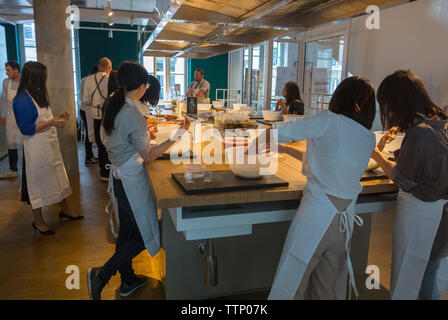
(199,87)
(95,93)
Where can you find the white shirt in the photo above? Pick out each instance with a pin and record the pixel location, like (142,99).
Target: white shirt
(338,151)
(97,100)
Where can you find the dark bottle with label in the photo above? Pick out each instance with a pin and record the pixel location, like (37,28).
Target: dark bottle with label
(192,105)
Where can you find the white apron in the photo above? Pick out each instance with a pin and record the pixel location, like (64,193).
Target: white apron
(90,128)
(12,131)
(46,177)
(136,184)
(416,226)
(307,229)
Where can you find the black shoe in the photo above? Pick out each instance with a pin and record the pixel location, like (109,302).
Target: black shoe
(45,233)
(95,283)
(62,214)
(126,289)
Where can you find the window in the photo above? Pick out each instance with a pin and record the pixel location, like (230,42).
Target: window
(171,74)
(29,43)
(257,83)
(177,77)
(323,71)
(284,67)
(148,63)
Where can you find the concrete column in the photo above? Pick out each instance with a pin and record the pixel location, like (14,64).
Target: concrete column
(53,44)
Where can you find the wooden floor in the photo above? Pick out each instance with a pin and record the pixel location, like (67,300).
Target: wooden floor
(33,266)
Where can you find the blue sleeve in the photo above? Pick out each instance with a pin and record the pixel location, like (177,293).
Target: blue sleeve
(26,114)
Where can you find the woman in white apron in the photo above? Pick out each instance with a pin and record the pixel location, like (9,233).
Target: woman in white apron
(125,135)
(13,136)
(315,260)
(421,171)
(44,179)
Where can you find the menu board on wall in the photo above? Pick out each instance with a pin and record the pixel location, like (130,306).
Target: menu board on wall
(284,74)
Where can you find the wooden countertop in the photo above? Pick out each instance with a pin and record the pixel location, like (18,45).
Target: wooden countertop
(169,194)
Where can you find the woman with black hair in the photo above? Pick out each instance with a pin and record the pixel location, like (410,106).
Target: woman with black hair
(127,141)
(44,179)
(315,260)
(420,238)
(150,98)
(293,103)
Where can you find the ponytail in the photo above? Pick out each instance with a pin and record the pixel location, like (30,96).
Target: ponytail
(112,107)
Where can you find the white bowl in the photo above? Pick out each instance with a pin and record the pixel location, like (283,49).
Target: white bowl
(246,171)
(271,115)
(238,106)
(218,104)
(292,117)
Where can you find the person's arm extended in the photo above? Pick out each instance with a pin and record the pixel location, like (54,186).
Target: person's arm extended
(385,164)
(152,153)
(293,152)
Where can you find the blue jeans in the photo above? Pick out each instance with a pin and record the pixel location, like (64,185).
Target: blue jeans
(428,289)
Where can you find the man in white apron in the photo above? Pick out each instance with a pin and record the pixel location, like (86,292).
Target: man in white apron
(199,87)
(95,93)
(10,86)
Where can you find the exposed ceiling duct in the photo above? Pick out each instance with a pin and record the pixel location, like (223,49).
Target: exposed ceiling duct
(230,24)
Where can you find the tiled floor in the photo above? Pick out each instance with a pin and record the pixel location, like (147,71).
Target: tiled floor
(33,266)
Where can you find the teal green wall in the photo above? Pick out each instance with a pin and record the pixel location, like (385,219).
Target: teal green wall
(12,41)
(95,44)
(215,72)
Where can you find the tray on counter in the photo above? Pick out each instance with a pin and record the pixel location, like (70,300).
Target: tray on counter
(166,156)
(223,181)
(373,175)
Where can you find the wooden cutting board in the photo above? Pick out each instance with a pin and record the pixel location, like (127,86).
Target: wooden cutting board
(224,181)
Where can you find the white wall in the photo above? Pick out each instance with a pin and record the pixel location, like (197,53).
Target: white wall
(236,69)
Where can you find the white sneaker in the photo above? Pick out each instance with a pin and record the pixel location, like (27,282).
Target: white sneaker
(9,174)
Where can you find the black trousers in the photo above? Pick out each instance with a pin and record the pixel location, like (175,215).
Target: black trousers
(129,243)
(103,159)
(87,143)
(13,157)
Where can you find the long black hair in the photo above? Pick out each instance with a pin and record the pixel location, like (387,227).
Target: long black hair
(292,92)
(402,97)
(355,99)
(34,81)
(112,84)
(131,75)
(152,95)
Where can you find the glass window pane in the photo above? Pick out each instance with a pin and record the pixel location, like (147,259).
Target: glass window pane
(323,71)
(284,67)
(148,63)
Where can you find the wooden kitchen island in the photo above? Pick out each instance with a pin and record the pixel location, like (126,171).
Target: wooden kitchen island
(248,228)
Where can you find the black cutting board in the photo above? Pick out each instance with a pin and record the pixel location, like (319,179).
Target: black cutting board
(167,156)
(373,175)
(268,123)
(223,181)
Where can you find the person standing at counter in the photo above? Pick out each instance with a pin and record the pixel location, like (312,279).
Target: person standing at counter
(95,93)
(44,179)
(9,91)
(126,138)
(315,260)
(421,172)
(293,103)
(86,115)
(199,87)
